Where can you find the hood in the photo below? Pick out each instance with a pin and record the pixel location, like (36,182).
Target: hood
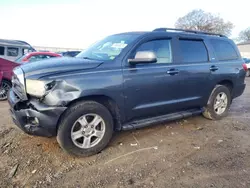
(57,65)
(6,65)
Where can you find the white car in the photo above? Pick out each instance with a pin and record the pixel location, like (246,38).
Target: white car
(13,49)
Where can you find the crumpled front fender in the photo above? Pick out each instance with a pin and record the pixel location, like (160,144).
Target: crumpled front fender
(62,94)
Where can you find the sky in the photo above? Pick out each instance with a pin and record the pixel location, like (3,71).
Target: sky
(79,23)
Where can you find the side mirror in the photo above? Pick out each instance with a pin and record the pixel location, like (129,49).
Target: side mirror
(143,57)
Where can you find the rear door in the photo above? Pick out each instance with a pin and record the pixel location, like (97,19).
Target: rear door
(194,73)
(227,64)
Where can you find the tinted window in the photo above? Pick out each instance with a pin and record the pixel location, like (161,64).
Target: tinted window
(224,50)
(1,50)
(161,48)
(193,51)
(12,51)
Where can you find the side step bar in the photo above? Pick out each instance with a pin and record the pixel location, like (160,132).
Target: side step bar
(160,119)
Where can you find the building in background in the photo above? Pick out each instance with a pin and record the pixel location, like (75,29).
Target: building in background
(55,49)
(244,48)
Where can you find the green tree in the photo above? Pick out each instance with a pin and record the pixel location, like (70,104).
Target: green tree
(204,21)
(244,35)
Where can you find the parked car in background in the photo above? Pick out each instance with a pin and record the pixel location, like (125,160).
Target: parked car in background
(70,53)
(6,68)
(13,49)
(36,56)
(127,81)
(247,61)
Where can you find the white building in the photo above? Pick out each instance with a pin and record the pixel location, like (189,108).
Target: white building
(244,48)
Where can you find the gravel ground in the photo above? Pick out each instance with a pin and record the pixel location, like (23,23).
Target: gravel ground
(194,152)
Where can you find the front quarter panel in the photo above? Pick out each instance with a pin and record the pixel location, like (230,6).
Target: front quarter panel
(74,86)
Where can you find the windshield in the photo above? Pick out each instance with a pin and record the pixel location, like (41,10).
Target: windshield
(108,48)
(19,59)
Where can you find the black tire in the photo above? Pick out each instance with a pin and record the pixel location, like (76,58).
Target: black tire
(210,112)
(248,73)
(71,115)
(4,91)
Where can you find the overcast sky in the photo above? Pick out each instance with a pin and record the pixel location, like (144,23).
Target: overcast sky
(78,23)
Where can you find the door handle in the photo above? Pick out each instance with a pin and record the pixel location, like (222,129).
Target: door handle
(213,68)
(172,71)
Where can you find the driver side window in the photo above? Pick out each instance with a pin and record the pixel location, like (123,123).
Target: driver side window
(161,48)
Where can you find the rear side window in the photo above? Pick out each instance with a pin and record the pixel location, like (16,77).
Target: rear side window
(224,50)
(12,51)
(161,48)
(193,51)
(1,50)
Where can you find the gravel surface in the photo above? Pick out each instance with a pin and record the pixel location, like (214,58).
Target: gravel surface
(194,152)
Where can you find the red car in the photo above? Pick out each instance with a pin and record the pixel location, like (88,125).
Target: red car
(6,68)
(36,56)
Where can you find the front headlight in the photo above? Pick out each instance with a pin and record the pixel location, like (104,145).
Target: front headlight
(36,87)
(39,88)
(19,74)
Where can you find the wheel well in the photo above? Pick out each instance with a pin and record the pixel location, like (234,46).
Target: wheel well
(7,80)
(227,83)
(109,103)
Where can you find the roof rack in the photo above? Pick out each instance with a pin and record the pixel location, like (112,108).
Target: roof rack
(188,31)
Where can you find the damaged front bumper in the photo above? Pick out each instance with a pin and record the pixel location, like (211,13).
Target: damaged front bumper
(34,117)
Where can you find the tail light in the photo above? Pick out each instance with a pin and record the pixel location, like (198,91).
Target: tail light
(244,65)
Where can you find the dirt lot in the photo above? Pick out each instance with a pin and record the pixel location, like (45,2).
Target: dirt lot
(190,153)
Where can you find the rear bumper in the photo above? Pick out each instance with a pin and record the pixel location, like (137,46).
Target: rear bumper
(238,90)
(33,117)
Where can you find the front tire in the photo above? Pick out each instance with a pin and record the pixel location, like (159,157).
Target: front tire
(85,129)
(218,103)
(4,89)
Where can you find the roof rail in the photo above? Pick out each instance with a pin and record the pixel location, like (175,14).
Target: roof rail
(188,31)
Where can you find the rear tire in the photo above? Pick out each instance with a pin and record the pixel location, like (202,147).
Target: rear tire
(85,129)
(218,103)
(4,89)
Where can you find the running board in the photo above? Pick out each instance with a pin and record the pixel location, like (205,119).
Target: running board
(160,119)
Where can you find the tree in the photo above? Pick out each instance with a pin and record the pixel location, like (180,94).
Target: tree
(244,35)
(204,21)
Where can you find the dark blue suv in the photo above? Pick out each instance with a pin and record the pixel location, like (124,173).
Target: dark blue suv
(126,81)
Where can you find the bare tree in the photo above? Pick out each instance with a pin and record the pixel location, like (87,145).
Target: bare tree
(244,35)
(204,21)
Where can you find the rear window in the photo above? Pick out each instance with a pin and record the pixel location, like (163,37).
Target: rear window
(193,51)
(1,50)
(224,50)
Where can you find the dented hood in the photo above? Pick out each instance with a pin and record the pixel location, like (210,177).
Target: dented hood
(57,65)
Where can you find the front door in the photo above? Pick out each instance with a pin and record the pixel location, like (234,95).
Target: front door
(149,89)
